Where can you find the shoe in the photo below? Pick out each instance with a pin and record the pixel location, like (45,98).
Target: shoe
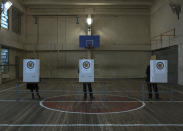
(39,97)
(158,98)
(92,98)
(33,96)
(150,98)
(84,98)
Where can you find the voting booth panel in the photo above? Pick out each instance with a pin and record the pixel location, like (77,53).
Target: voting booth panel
(159,71)
(86,70)
(31,70)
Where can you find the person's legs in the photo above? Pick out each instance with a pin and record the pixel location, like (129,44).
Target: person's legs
(37,91)
(32,91)
(90,90)
(155,88)
(149,86)
(84,91)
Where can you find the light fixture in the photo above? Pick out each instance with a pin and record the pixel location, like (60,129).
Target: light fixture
(89,20)
(7,5)
(176,8)
(77,19)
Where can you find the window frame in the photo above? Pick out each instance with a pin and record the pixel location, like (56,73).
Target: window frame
(4,64)
(19,21)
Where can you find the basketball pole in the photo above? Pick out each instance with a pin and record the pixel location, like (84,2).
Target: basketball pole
(89,52)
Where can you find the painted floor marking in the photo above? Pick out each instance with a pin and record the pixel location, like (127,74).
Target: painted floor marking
(9,88)
(91,125)
(6,100)
(48,108)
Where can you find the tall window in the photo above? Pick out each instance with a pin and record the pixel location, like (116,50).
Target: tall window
(4,17)
(16,20)
(4,59)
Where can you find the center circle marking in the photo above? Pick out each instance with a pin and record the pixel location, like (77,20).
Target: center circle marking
(75,104)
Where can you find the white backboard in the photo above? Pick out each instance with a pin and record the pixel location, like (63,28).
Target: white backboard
(86,70)
(31,70)
(158,71)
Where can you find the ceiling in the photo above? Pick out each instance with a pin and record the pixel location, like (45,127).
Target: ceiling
(31,3)
(82,7)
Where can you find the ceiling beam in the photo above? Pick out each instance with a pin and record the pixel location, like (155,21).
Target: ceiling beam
(87,2)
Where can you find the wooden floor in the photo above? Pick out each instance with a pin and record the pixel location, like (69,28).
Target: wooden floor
(27,114)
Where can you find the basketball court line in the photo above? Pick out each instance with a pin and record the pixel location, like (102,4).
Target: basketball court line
(7,89)
(91,125)
(10,88)
(178,91)
(92,101)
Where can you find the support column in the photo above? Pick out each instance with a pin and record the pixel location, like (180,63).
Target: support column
(180,66)
(0,67)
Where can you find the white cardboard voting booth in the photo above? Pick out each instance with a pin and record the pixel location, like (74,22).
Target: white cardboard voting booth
(158,71)
(31,70)
(86,70)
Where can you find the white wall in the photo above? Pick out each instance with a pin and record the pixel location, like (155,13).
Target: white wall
(62,33)
(162,20)
(124,51)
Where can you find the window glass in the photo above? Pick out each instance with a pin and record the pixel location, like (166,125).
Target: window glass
(4,59)
(4,17)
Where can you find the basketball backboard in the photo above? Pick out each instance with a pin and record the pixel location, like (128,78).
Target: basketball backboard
(86,41)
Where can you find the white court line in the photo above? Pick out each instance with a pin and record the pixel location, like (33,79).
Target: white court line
(178,91)
(92,101)
(138,108)
(91,125)
(9,88)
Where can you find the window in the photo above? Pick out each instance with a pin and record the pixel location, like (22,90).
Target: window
(4,59)
(4,17)
(16,20)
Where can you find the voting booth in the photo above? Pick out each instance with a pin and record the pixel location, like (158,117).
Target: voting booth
(86,70)
(31,70)
(158,71)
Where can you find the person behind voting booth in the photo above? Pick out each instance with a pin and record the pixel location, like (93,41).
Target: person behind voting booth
(31,85)
(151,85)
(85,84)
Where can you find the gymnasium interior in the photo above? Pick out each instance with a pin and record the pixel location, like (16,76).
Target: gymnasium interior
(91,65)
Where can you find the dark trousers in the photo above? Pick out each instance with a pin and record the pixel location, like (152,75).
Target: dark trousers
(155,88)
(85,90)
(32,87)
(37,92)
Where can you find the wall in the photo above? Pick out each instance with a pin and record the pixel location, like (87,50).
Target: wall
(108,64)
(9,38)
(162,20)
(180,63)
(12,41)
(124,51)
(170,54)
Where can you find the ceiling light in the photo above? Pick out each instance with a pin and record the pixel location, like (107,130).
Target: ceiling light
(89,21)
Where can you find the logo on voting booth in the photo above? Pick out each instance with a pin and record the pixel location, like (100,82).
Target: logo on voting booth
(160,65)
(86,65)
(30,64)
(159,71)
(86,70)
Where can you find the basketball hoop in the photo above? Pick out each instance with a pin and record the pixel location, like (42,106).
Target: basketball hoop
(89,46)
